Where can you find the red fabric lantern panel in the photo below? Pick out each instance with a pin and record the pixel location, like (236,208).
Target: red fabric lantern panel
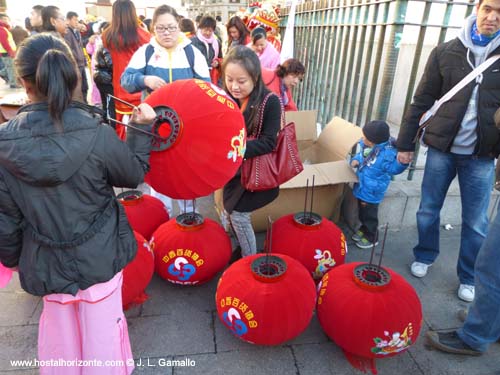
(137,274)
(262,307)
(314,241)
(370,312)
(144,212)
(190,249)
(206,139)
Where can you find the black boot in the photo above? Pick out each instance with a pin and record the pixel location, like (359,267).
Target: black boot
(236,255)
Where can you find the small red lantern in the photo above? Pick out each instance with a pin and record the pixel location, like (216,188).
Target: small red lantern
(144,212)
(369,311)
(190,249)
(266,299)
(137,274)
(205,139)
(314,241)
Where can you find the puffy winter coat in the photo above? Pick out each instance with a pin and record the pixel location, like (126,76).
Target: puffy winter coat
(375,171)
(60,221)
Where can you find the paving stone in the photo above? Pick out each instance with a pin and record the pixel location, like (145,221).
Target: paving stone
(17,343)
(328,358)
(253,361)
(17,308)
(165,296)
(174,333)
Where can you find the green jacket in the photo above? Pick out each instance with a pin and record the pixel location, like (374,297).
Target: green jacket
(60,222)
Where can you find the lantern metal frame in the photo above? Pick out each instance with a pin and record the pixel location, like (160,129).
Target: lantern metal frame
(130,197)
(165,115)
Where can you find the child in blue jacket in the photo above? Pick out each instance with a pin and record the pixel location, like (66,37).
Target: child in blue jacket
(376,162)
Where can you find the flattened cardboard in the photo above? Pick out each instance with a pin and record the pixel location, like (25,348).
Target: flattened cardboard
(324,157)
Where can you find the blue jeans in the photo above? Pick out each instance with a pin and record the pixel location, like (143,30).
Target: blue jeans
(482,326)
(475,178)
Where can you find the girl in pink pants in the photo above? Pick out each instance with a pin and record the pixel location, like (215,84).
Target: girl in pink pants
(68,327)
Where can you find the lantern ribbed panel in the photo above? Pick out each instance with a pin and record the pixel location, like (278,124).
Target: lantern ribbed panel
(364,321)
(145,215)
(272,312)
(317,248)
(137,274)
(211,145)
(190,256)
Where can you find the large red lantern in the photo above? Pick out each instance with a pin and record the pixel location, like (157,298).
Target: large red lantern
(314,241)
(137,274)
(369,311)
(266,299)
(190,249)
(144,212)
(204,141)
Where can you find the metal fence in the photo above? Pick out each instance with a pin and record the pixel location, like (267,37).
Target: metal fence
(364,58)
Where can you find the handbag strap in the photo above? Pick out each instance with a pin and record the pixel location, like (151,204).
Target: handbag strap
(261,113)
(459,86)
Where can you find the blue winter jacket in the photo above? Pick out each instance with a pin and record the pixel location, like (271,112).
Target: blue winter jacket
(375,171)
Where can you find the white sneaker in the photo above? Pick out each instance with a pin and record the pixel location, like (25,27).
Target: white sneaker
(466,292)
(419,269)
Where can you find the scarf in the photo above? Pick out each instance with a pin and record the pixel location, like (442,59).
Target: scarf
(212,40)
(480,39)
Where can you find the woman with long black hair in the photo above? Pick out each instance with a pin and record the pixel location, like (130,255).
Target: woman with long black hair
(242,79)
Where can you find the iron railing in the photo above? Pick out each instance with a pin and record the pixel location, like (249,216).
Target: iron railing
(364,57)
(351,50)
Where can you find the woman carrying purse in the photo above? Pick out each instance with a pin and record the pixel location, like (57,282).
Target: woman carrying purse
(242,78)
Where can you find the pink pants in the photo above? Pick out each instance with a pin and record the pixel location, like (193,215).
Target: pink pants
(89,328)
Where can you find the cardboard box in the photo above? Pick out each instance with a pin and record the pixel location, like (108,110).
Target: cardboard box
(323,157)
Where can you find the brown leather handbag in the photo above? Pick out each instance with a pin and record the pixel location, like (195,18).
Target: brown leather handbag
(264,172)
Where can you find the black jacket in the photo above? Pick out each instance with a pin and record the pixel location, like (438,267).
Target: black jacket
(103,71)
(446,66)
(235,196)
(210,54)
(75,45)
(60,221)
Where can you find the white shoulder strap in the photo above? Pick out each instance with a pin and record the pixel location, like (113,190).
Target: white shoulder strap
(459,86)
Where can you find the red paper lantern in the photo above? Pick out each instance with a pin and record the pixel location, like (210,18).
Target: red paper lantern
(144,212)
(205,143)
(137,274)
(369,311)
(266,302)
(314,241)
(190,249)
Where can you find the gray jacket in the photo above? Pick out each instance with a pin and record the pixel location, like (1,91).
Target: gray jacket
(60,221)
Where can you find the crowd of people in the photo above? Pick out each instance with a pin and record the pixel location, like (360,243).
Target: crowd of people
(64,158)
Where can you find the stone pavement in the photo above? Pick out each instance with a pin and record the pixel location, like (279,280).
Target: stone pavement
(181,322)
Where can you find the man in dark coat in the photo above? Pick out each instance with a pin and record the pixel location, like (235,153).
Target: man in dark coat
(74,40)
(462,140)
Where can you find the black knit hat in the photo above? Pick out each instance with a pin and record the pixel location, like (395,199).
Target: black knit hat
(376,131)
